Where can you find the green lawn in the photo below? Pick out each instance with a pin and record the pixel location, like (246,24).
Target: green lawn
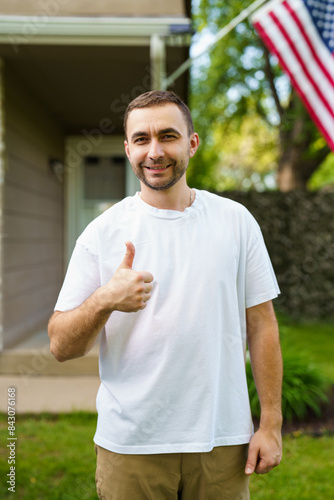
(316,339)
(55,457)
(56,461)
(304,474)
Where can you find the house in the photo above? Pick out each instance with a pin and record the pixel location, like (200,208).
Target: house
(67,71)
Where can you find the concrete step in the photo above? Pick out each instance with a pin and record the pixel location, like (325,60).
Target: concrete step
(32,357)
(42,384)
(38,394)
(34,362)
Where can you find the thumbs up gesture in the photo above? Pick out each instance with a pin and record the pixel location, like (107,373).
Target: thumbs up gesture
(129,256)
(129,290)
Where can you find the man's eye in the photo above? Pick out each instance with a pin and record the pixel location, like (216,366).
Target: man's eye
(169,137)
(140,140)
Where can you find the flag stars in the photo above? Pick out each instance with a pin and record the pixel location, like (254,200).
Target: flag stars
(323,17)
(317,5)
(321,10)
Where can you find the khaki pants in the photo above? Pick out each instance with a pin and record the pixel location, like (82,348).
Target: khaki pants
(217,475)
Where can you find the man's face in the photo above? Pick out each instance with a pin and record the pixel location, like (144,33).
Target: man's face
(158,145)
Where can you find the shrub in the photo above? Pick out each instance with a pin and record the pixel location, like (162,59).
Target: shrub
(303,388)
(298,228)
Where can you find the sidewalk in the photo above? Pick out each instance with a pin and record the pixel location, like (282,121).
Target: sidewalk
(42,383)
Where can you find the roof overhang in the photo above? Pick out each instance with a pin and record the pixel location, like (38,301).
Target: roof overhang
(79,67)
(47,30)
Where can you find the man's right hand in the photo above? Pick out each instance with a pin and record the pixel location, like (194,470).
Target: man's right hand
(73,333)
(129,290)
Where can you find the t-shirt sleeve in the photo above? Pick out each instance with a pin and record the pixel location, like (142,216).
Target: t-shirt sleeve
(261,284)
(81,280)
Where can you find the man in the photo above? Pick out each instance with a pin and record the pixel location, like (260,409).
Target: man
(174,309)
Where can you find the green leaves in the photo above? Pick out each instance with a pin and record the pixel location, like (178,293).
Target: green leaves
(239,80)
(303,388)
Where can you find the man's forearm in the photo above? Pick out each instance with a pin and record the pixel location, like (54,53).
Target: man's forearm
(73,333)
(266,361)
(265,447)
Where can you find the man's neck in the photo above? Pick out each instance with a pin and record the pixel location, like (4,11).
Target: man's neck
(178,197)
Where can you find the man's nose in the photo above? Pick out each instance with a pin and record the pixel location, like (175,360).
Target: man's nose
(155,149)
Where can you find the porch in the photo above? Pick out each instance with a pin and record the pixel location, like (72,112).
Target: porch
(65,81)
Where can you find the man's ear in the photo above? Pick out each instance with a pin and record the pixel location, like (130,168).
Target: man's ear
(194,143)
(126,147)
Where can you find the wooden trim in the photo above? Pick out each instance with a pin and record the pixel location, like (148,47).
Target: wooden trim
(2,181)
(21,30)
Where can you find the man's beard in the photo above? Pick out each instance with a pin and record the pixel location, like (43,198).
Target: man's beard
(179,169)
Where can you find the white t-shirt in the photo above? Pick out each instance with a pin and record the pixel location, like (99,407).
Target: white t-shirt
(173,375)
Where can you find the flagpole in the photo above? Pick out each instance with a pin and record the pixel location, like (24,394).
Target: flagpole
(221,33)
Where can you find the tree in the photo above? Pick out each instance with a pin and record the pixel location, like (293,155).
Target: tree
(241,82)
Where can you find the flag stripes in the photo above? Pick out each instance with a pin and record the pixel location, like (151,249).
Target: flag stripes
(288,30)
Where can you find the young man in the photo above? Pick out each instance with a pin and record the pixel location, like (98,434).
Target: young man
(175,309)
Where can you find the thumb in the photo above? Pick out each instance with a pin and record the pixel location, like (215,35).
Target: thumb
(251,461)
(128,257)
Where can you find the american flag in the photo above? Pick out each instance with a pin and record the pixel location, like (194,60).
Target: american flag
(301,34)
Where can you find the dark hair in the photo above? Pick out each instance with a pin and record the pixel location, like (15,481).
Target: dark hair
(159,98)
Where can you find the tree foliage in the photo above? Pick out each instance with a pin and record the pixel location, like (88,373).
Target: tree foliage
(241,95)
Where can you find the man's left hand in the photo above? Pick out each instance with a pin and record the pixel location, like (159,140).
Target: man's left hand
(265,452)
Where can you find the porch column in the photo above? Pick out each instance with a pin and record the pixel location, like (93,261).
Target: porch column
(2,182)
(158,62)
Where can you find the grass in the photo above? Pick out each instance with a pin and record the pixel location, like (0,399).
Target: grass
(304,474)
(56,461)
(55,457)
(316,339)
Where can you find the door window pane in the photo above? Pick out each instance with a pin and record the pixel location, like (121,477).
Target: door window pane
(104,178)
(104,184)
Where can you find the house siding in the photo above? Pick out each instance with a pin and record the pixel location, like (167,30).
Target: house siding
(33,214)
(140,8)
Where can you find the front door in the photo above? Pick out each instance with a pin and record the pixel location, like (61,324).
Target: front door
(97,175)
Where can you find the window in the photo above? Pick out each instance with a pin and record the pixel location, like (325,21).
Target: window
(104,178)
